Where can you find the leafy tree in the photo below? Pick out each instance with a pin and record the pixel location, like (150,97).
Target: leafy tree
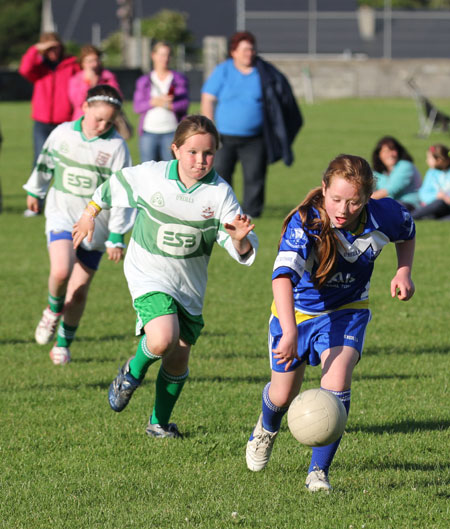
(167,25)
(19,28)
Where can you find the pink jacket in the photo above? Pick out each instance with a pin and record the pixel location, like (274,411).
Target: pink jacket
(50,102)
(78,89)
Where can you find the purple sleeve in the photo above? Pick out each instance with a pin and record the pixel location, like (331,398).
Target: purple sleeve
(141,97)
(181,95)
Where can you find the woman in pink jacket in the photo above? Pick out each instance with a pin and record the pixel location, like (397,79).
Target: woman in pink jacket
(49,69)
(92,73)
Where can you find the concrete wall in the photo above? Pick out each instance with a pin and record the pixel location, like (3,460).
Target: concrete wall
(334,78)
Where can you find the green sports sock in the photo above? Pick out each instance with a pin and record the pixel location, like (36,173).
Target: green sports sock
(142,360)
(56,303)
(168,389)
(66,334)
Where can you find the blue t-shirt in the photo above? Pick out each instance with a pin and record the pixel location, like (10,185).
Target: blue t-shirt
(385,221)
(239,109)
(402,183)
(435,180)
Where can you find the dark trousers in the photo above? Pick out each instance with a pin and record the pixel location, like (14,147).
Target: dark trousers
(434,210)
(41,132)
(251,152)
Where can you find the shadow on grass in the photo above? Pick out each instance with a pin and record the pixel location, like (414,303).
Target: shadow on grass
(363,376)
(105,339)
(410,426)
(217,378)
(437,349)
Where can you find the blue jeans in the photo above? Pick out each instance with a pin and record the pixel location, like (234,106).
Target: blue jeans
(156,147)
(40,134)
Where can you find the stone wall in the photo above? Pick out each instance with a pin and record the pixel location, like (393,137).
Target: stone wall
(333,78)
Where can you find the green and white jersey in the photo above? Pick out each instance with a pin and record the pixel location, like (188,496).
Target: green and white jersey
(175,229)
(77,167)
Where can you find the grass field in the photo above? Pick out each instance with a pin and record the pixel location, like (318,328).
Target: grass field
(67,461)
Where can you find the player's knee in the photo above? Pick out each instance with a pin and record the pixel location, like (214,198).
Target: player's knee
(60,274)
(161,343)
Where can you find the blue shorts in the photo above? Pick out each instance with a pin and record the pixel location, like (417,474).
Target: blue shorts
(342,327)
(90,258)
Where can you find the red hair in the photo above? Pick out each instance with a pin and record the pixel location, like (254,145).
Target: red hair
(238,37)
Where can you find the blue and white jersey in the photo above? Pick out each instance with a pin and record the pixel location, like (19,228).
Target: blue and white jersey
(383,221)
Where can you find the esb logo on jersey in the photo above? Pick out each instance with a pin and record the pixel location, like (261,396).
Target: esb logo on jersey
(178,240)
(79,182)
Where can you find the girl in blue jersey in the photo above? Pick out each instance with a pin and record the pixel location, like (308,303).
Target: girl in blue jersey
(320,284)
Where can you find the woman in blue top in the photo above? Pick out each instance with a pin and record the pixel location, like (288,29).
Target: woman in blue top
(396,175)
(434,193)
(320,283)
(232,96)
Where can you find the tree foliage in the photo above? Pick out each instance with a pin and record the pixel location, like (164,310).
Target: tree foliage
(19,28)
(167,25)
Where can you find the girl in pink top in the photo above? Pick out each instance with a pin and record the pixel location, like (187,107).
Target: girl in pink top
(92,73)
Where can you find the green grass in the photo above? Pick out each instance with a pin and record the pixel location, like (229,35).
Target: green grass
(67,461)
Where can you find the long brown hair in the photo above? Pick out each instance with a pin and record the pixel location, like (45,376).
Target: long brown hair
(441,154)
(355,170)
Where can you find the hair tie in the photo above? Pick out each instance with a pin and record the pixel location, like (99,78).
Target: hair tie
(106,99)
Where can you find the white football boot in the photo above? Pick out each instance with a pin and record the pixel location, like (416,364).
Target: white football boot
(317,480)
(60,355)
(260,447)
(46,329)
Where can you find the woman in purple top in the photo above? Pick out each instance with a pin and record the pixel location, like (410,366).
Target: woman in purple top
(161,98)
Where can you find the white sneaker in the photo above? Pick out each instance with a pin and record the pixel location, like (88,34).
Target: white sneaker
(317,480)
(46,329)
(60,355)
(29,213)
(260,447)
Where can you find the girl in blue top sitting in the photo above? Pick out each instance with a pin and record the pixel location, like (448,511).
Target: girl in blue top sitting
(395,174)
(434,194)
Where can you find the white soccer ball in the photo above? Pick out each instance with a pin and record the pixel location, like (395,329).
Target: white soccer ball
(316,417)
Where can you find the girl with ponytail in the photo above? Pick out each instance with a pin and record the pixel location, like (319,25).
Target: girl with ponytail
(320,285)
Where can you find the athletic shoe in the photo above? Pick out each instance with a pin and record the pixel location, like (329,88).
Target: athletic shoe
(317,480)
(60,355)
(46,329)
(163,430)
(29,213)
(122,387)
(260,447)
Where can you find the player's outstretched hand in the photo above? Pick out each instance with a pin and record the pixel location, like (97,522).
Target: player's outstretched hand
(115,254)
(239,228)
(84,227)
(402,286)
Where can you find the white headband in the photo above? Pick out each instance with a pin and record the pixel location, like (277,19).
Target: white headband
(106,99)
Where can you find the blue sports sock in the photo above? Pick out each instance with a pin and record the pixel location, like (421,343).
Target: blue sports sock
(272,415)
(322,456)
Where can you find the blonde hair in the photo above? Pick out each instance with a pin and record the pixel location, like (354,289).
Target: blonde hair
(356,171)
(192,125)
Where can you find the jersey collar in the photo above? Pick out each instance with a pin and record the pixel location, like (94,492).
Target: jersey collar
(78,128)
(172,174)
